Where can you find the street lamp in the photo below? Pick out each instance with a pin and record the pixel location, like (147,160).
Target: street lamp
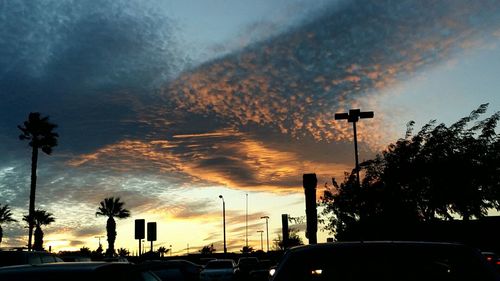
(261,244)
(246,222)
(224,221)
(267,230)
(353,116)
(99,236)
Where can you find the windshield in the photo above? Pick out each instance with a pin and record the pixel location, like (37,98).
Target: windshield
(219,265)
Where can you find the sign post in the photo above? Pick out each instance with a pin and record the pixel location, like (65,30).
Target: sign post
(151,233)
(139,232)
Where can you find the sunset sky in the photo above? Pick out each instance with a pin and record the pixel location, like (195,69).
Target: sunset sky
(170,103)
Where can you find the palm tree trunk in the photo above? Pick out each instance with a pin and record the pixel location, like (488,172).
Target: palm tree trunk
(1,234)
(38,243)
(111,232)
(34,161)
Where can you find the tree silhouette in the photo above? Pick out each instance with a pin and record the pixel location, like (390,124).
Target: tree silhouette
(247,250)
(293,240)
(112,207)
(439,173)
(39,218)
(207,250)
(123,252)
(5,217)
(162,251)
(39,132)
(97,254)
(85,251)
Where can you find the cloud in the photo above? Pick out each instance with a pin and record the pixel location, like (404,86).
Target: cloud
(296,81)
(230,158)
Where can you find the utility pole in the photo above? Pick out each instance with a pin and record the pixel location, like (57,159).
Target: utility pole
(224,221)
(246,222)
(267,230)
(99,236)
(261,243)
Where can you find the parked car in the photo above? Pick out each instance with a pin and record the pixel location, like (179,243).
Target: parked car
(247,264)
(220,270)
(262,272)
(8,258)
(402,261)
(78,271)
(491,257)
(178,270)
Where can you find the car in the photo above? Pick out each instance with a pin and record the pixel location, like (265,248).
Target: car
(78,271)
(8,258)
(178,270)
(219,270)
(491,257)
(384,260)
(262,272)
(247,264)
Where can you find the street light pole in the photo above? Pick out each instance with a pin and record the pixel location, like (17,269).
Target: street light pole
(224,221)
(353,116)
(267,230)
(99,236)
(261,243)
(246,222)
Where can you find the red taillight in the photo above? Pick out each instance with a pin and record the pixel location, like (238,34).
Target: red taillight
(497,263)
(489,258)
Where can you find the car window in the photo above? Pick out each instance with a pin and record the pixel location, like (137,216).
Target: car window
(47,258)
(169,274)
(34,259)
(219,265)
(147,276)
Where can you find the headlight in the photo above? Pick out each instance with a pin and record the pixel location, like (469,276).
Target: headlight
(272,271)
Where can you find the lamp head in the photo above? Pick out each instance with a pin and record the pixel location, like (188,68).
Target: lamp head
(220,196)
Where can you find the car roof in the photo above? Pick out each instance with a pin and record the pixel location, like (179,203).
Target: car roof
(64,266)
(371,243)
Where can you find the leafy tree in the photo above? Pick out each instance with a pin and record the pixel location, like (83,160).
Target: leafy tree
(207,250)
(5,217)
(97,254)
(112,207)
(39,218)
(162,251)
(39,132)
(436,174)
(293,240)
(85,251)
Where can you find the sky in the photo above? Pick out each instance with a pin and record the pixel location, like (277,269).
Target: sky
(169,104)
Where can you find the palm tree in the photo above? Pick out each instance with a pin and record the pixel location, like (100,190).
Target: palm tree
(40,217)
(122,252)
(162,251)
(5,216)
(112,207)
(39,131)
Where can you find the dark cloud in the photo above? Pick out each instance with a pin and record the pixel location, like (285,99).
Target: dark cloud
(295,81)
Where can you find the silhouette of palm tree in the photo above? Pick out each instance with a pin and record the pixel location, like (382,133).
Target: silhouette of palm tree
(40,217)
(162,251)
(39,131)
(112,207)
(5,216)
(123,252)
